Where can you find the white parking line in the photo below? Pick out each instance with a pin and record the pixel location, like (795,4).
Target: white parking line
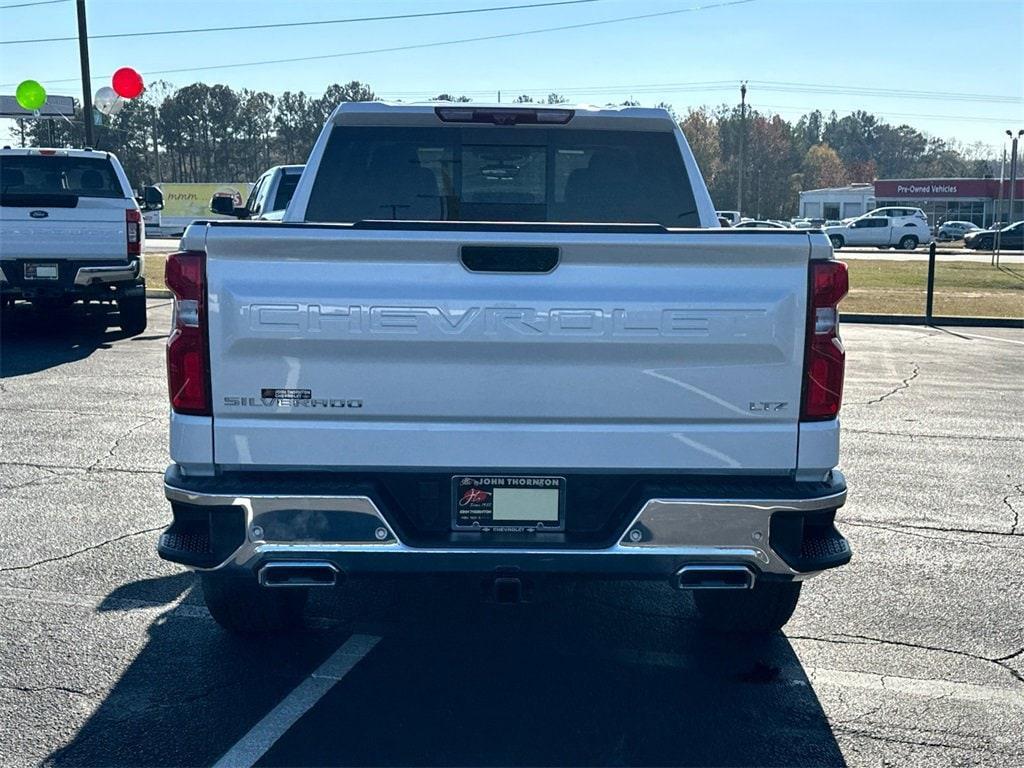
(251,747)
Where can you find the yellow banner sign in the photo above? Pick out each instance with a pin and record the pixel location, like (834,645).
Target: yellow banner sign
(192,201)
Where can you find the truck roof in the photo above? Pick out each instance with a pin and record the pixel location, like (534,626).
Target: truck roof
(57,152)
(439,112)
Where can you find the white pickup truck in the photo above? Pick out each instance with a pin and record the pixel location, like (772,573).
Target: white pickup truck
(268,198)
(71,230)
(882,231)
(507,342)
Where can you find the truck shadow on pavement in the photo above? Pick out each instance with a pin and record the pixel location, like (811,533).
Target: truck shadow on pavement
(588,674)
(33,342)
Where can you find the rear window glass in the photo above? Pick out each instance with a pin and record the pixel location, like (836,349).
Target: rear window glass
(285,190)
(502,174)
(25,176)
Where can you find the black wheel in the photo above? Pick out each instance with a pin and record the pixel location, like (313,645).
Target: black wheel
(759,611)
(837,241)
(241,606)
(132,311)
(907,243)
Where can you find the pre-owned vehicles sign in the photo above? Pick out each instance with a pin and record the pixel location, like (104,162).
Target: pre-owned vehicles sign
(916,189)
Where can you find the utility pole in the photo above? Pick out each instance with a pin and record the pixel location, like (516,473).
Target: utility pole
(156,151)
(1013,183)
(998,206)
(83,52)
(499,97)
(743,145)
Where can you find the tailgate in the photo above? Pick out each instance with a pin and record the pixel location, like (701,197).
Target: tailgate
(340,347)
(92,230)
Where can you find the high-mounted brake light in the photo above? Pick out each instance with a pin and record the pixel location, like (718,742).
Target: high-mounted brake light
(188,369)
(505,116)
(133,228)
(824,356)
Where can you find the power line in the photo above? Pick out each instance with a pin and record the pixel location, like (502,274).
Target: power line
(698,86)
(418,46)
(37,2)
(851,90)
(883,114)
(423,15)
(722,85)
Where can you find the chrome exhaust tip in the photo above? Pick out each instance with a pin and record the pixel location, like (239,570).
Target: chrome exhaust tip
(298,574)
(714,577)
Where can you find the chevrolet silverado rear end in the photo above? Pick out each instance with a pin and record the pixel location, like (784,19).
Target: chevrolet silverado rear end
(507,342)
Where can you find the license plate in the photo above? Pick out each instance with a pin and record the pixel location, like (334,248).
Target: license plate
(508,503)
(41,272)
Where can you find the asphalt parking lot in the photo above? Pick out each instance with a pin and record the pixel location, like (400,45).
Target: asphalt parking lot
(912,655)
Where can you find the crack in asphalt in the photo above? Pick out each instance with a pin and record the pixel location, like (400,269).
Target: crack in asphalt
(956,540)
(1016,512)
(97,470)
(841,728)
(44,688)
(52,473)
(999,661)
(904,384)
(68,472)
(67,412)
(90,548)
(119,438)
(912,435)
(57,471)
(900,527)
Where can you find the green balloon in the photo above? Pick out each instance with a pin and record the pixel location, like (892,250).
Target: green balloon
(30,95)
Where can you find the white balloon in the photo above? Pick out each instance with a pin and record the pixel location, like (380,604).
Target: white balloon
(107,101)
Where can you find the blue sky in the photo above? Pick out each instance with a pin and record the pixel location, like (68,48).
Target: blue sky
(793,52)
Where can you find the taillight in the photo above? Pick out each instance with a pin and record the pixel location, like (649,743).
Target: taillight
(133,227)
(824,357)
(188,370)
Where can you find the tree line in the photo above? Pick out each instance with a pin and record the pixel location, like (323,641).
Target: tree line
(211,133)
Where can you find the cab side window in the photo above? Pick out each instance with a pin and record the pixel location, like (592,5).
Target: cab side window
(258,196)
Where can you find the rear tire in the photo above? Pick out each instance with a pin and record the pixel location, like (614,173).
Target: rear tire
(907,243)
(759,611)
(837,241)
(241,606)
(132,311)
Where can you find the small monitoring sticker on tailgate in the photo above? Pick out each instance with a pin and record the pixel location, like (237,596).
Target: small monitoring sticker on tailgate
(287,394)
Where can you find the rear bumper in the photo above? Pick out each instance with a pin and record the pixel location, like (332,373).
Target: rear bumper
(76,277)
(788,534)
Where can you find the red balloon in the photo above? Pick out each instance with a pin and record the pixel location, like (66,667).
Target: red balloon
(127,83)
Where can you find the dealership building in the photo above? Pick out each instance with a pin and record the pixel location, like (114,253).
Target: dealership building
(982,201)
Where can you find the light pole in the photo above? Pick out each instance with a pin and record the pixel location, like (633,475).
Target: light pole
(1013,183)
(743,145)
